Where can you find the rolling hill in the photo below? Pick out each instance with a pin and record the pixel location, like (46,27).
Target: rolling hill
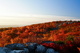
(49,31)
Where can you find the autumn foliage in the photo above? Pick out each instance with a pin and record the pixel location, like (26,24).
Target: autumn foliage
(50,31)
(68,47)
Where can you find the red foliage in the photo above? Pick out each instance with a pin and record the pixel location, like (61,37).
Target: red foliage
(53,31)
(62,48)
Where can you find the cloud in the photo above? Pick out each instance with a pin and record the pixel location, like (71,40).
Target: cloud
(23,19)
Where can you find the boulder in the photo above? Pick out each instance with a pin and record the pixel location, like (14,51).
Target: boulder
(50,50)
(18,51)
(16,46)
(31,47)
(40,49)
(4,50)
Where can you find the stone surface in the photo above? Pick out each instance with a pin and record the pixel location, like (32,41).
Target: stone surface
(40,49)
(19,51)
(16,46)
(4,50)
(50,50)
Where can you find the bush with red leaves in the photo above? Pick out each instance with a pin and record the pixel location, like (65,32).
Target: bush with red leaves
(69,47)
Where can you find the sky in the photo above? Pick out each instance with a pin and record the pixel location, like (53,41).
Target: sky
(26,12)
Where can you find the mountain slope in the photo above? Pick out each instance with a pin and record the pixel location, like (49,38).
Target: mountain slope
(50,31)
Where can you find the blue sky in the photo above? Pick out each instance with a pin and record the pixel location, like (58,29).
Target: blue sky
(34,11)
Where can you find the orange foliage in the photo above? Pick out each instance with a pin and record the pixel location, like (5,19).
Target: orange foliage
(53,31)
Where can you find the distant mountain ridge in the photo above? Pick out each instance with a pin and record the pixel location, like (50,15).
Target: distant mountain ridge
(6,26)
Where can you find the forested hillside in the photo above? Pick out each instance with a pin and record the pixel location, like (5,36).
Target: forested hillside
(49,31)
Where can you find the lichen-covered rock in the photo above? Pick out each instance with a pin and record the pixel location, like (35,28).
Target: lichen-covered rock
(19,51)
(16,46)
(50,50)
(31,47)
(25,50)
(4,50)
(40,49)
(30,43)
